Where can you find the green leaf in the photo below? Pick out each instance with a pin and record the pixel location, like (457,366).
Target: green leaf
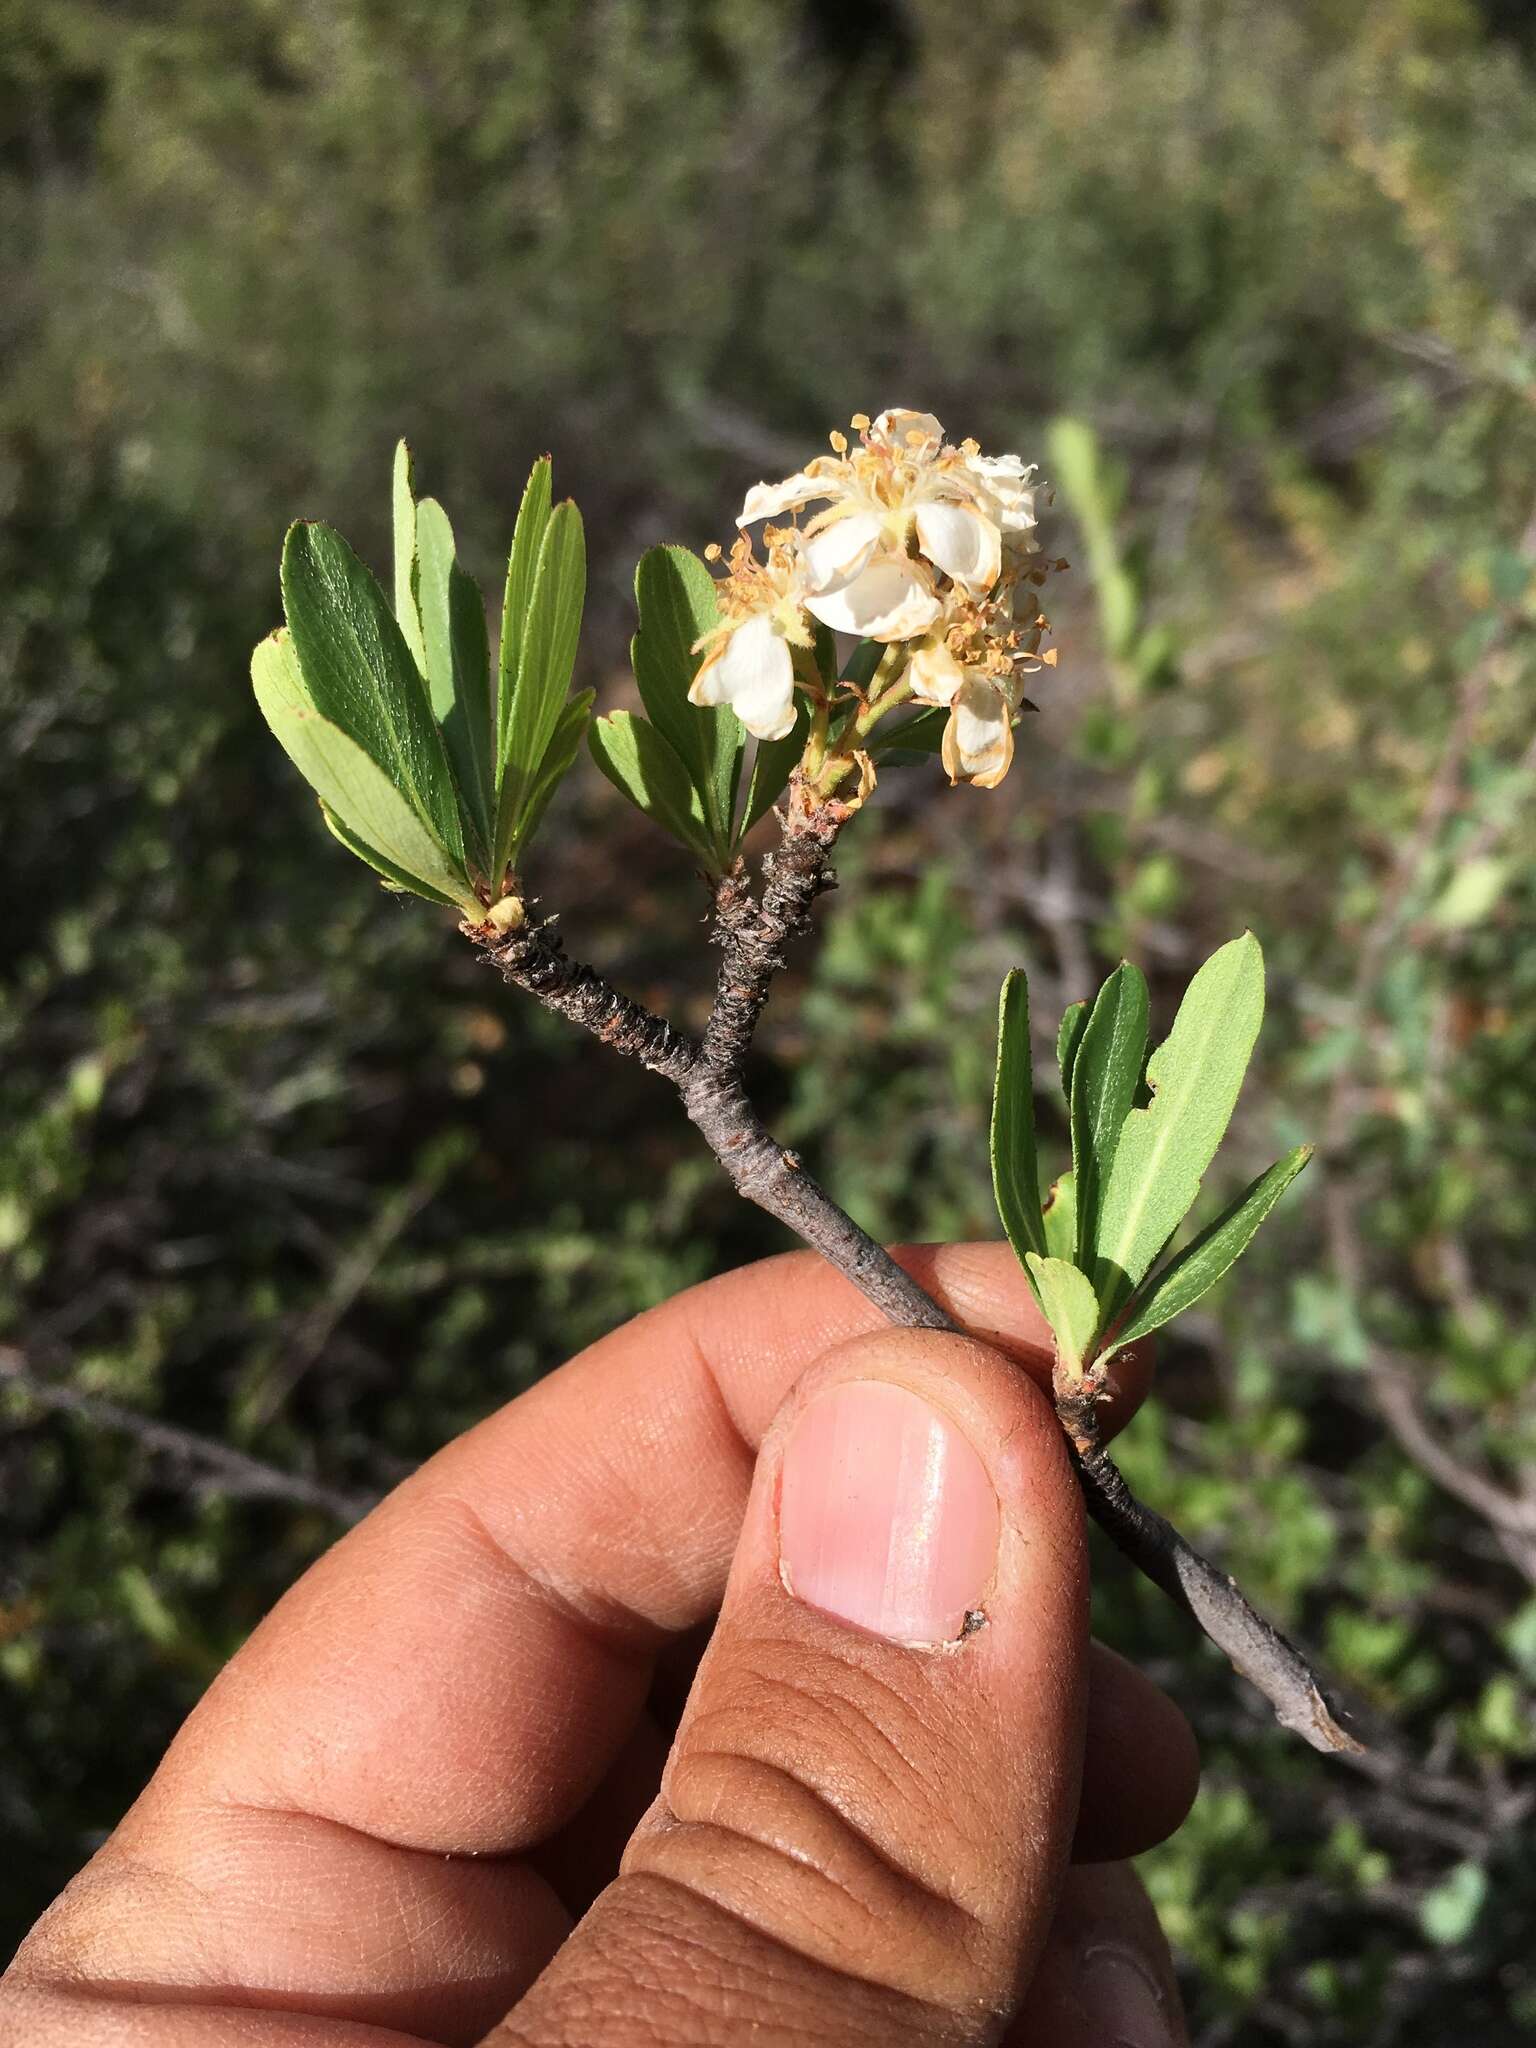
(275,670)
(1164,1149)
(394,877)
(1070,1307)
(911,740)
(1069,1037)
(772,765)
(1450,1912)
(406,615)
(458,669)
(678,605)
(1472,894)
(352,786)
(640,763)
(1180,1285)
(1015,1168)
(558,757)
(533,517)
(359,674)
(1105,1073)
(1060,1219)
(544,665)
(862,663)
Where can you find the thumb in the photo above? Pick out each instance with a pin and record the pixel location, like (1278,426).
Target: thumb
(869,1806)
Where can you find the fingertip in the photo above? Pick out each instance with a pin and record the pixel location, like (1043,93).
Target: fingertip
(1141,1763)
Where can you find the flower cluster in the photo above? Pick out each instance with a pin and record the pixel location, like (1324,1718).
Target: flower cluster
(918,544)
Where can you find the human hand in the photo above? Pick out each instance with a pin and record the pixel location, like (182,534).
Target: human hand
(431,1777)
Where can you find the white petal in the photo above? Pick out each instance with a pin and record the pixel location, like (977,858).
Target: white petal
(890,600)
(753,671)
(978,740)
(766,501)
(898,422)
(1006,480)
(962,542)
(934,674)
(836,554)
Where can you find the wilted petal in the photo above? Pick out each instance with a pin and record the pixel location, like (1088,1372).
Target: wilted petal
(889,600)
(767,501)
(978,740)
(934,673)
(1007,481)
(962,542)
(836,554)
(897,423)
(753,671)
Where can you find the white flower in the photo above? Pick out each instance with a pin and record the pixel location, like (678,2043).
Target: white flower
(978,740)
(748,664)
(975,665)
(890,598)
(903,486)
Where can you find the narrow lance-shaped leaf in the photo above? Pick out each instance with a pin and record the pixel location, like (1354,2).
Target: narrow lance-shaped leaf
(1069,1037)
(1105,1072)
(1070,1305)
(1015,1168)
(862,663)
(1060,1219)
(458,670)
(910,739)
(772,765)
(677,602)
(359,674)
(393,876)
(1201,1264)
(1164,1149)
(350,784)
(545,661)
(405,557)
(638,761)
(558,757)
(527,538)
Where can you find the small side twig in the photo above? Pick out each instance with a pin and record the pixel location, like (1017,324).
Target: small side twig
(215,1465)
(753,935)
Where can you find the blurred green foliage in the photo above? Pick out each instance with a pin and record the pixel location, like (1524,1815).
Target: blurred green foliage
(279,1168)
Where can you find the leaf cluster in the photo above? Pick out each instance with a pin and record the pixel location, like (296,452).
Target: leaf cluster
(1144,1131)
(683,764)
(425,767)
